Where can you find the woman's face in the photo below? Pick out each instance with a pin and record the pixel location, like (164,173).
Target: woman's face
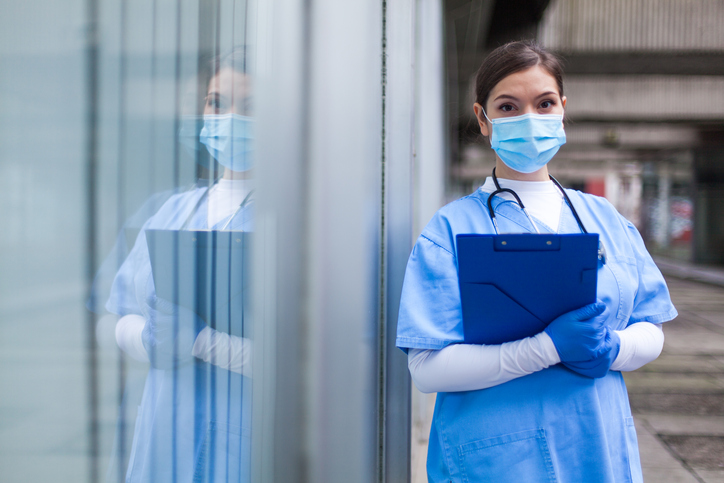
(229,93)
(530,91)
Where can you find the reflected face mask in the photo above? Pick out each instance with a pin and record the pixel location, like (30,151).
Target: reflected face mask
(526,143)
(229,139)
(188,137)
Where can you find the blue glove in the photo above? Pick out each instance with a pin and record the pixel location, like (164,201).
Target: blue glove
(599,366)
(170,333)
(579,335)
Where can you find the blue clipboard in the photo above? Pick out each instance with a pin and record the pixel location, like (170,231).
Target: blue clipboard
(513,286)
(204,271)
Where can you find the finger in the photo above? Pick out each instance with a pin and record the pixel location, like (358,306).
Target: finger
(589,311)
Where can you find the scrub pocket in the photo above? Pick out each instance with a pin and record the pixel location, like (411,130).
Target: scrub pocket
(516,457)
(224,455)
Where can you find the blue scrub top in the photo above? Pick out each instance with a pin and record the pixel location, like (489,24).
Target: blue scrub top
(193,424)
(554,425)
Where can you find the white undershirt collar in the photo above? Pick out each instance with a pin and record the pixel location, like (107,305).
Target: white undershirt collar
(542,199)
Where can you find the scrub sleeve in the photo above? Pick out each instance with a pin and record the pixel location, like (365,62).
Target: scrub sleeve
(554,425)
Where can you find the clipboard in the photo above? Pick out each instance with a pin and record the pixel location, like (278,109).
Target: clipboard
(513,286)
(204,271)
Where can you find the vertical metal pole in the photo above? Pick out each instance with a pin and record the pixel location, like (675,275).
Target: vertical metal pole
(398,156)
(120,216)
(90,235)
(381,368)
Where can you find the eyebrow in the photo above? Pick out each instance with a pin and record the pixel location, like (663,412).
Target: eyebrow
(507,96)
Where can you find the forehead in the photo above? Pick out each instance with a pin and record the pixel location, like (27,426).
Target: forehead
(228,80)
(528,82)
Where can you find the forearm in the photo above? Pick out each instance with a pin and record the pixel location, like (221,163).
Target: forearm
(129,330)
(226,351)
(641,343)
(469,367)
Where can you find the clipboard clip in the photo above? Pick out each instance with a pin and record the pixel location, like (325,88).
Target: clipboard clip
(601,253)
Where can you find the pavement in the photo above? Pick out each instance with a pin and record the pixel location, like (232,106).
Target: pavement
(677,400)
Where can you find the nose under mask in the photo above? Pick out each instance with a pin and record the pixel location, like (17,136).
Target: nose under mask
(229,139)
(527,142)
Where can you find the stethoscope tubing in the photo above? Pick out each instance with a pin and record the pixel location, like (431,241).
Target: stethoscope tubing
(498,190)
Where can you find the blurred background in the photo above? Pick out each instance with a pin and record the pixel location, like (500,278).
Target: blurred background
(364,128)
(644,125)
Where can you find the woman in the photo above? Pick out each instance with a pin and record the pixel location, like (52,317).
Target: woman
(193,422)
(551,407)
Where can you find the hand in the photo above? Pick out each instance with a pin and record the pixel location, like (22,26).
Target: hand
(170,333)
(580,335)
(599,366)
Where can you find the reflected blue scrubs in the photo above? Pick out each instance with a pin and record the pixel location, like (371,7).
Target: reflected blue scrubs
(554,425)
(193,423)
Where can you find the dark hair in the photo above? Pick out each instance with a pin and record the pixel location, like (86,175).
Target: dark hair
(511,58)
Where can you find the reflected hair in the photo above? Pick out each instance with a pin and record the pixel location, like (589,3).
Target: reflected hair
(511,58)
(235,60)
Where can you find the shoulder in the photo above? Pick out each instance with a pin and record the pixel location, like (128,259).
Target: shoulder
(592,201)
(464,215)
(597,205)
(180,202)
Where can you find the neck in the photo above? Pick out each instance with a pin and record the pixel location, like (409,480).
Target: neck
(502,171)
(229,174)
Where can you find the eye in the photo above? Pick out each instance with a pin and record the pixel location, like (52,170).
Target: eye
(506,107)
(547,104)
(212,102)
(216,103)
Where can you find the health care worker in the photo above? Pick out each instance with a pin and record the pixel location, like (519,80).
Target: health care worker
(552,407)
(194,419)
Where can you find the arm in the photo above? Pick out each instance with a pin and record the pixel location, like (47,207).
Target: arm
(468,367)
(129,330)
(223,350)
(641,343)
(226,351)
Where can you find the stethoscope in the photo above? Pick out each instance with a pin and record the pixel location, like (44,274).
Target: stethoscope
(498,190)
(201,200)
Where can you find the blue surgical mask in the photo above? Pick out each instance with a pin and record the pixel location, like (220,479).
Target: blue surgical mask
(229,139)
(188,137)
(526,143)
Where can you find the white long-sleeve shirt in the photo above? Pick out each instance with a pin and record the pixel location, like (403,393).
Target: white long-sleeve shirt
(223,350)
(466,367)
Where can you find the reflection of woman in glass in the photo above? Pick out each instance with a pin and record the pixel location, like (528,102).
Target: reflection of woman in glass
(193,421)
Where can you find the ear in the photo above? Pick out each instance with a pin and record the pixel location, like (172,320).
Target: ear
(563,104)
(482,122)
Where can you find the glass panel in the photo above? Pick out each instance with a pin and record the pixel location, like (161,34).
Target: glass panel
(43,338)
(177,93)
(126,154)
